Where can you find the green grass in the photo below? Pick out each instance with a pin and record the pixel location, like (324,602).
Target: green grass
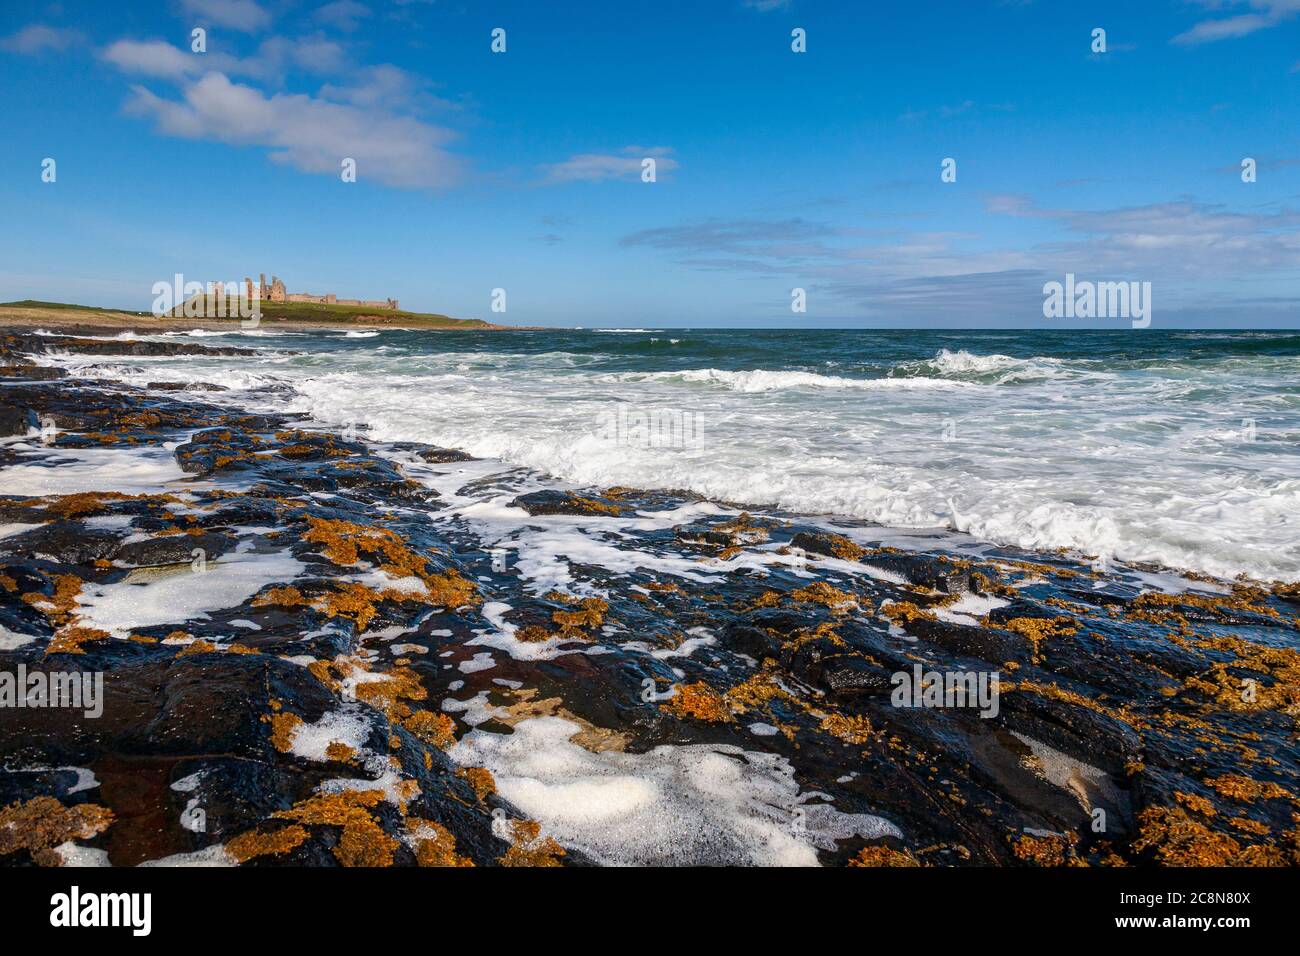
(308,312)
(312,312)
(37,304)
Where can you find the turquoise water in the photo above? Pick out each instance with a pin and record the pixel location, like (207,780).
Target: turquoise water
(1178,447)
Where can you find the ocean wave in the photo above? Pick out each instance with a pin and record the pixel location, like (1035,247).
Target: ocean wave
(994,369)
(771,380)
(1133,493)
(126,336)
(1104,456)
(1193,521)
(258,333)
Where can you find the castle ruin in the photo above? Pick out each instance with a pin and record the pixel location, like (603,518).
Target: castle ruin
(276,292)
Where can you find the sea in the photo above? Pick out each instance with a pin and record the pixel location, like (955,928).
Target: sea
(1179,448)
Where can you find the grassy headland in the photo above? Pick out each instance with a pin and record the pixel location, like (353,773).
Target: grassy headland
(33,313)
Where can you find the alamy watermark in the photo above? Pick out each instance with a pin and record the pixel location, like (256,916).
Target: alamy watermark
(215,300)
(940,689)
(79,690)
(628,426)
(1085,299)
(74,908)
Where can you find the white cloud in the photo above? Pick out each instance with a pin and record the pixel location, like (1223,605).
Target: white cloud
(596,167)
(1180,246)
(155,58)
(313,54)
(1268,13)
(344,15)
(38,38)
(388,86)
(1181,238)
(273,57)
(244,15)
(307,133)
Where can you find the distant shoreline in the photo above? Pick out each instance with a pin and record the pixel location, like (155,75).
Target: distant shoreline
(60,316)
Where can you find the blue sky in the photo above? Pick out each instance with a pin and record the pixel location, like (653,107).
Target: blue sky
(775,170)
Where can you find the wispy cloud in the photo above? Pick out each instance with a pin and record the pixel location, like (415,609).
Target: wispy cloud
(626,164)
(1178,245)
(953,110)
(388,86)
(244,15)
(345,15)
(157,58)
(39,38)
(273,58)
(1264,14)
(1263,165)
(307,133)
(1181,238)
(749,238)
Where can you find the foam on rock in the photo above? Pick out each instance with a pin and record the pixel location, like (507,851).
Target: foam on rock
(694,805)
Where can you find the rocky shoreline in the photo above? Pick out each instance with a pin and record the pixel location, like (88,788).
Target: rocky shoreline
(310,656)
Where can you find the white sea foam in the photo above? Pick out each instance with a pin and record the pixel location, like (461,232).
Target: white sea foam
(11,640)
(675,805)
(214,855)
(350,726)
(767,380)
(79,856)
(66,471)
(186,595)
(14,527)
(1139,462)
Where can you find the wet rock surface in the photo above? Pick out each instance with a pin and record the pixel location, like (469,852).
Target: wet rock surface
(91,344)
(308,640)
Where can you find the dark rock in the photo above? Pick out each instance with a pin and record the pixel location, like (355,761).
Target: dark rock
(734,532)
(934,572)
(124,347)
(17,421)
(828,545)
(1078,731)
(440,456)
(185,387)
(64,542)
(1023,608)
(565,503)
(846,675)
(31,373)
(171,549)
(807,660)
(996,647)
(751,641)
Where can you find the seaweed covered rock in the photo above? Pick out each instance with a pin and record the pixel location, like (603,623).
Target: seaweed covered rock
(354,671)
(551,502)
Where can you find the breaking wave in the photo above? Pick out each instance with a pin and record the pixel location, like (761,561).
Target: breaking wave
(1185,452)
